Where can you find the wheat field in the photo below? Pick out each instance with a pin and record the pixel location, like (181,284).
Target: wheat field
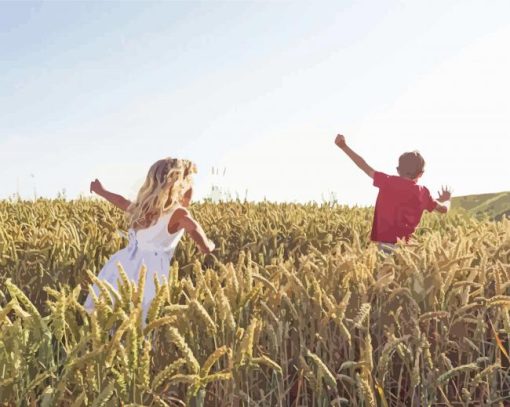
(295,308)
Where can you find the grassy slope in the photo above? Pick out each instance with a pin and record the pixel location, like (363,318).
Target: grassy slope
(495,205)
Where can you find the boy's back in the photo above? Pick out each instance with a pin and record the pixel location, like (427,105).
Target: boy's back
(399,207)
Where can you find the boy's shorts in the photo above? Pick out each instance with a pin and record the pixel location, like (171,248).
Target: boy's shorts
(387,248)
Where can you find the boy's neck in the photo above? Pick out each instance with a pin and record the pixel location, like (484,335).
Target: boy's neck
(409,179)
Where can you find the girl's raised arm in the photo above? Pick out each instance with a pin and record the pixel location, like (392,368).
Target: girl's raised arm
(182,219)
(118,200)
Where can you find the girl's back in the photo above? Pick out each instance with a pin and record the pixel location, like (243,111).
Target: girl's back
(166,192)
(153,247)
(157,237)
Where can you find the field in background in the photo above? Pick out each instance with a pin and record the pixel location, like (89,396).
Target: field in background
(295,308)
(494,206)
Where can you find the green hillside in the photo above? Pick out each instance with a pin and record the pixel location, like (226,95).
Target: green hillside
(495,205)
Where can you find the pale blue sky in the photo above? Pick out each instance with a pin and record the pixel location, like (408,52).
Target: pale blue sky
(103,89)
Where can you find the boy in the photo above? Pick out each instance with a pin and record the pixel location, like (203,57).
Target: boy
(401,201)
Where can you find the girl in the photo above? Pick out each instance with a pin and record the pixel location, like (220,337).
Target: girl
(157,220)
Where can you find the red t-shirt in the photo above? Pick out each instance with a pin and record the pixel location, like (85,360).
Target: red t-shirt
(398,208)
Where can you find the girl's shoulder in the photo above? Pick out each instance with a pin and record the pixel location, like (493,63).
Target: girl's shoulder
(176,210)
(174,217)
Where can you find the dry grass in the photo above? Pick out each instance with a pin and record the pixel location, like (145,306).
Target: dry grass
(295,308)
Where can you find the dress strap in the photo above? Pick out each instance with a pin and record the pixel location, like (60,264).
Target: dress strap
(168,215)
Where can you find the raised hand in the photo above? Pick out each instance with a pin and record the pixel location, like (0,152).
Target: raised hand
(445,194)
(340,141)
(96,186)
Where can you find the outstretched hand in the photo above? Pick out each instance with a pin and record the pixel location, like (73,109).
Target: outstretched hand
(340,141)
(96,186)
(445,194)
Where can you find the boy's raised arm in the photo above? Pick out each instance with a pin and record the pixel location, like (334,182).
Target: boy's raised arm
(118,200)
(359,161)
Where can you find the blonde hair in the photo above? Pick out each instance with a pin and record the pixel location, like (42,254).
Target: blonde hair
(166,183)
(411,164)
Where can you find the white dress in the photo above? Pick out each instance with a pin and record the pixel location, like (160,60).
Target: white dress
(154,247)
